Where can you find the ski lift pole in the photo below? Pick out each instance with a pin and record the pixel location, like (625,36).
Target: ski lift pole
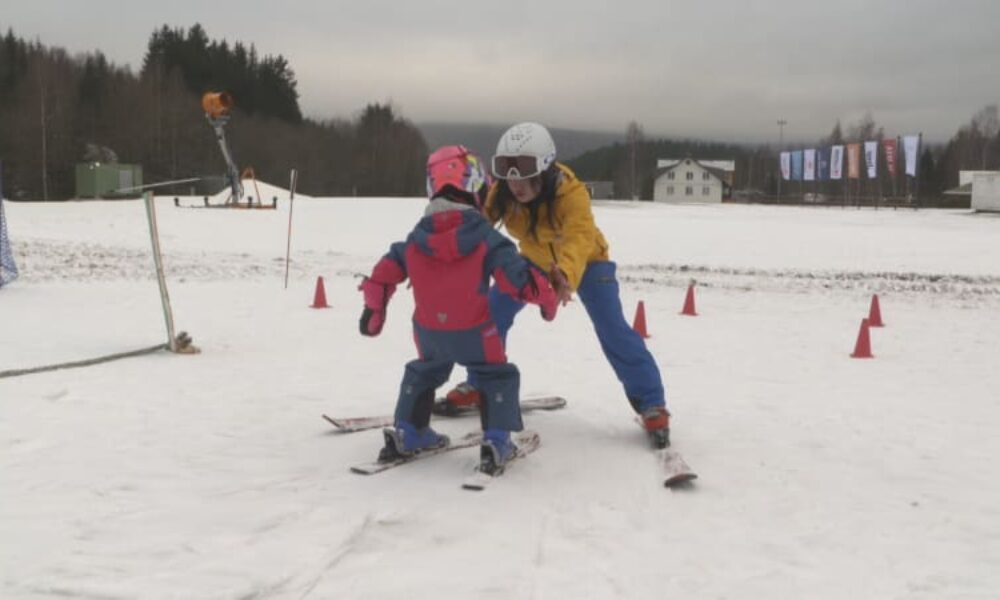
(216,106)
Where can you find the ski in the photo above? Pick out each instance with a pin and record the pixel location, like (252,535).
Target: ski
(526,442)
(353,424)
(370,468)
(675,470)
(443,409)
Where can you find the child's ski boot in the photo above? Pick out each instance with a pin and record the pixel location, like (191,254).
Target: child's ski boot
(496,451)
(406,440)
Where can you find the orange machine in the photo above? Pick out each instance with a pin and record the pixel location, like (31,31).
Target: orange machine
(216,104)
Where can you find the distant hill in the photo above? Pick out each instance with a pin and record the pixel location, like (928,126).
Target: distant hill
(482,138)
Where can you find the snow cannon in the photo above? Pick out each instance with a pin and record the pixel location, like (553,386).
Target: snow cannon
(217,104)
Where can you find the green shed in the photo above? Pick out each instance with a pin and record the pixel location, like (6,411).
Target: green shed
(100,180)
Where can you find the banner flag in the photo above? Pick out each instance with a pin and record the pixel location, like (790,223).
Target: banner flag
(809,157)
(8,268)
(854,161)
(836,162)
(871,159)
(823,164)
(911,146)
(797,165)
(786,166)
(889,148)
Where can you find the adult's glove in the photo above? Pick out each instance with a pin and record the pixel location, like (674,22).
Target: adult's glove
(376,297)
(560,284)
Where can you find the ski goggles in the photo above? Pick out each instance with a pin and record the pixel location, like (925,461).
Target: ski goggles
(516,167)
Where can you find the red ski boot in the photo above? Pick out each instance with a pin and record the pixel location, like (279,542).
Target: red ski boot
(656,422)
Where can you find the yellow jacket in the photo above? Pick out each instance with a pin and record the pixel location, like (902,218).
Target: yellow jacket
(572,244)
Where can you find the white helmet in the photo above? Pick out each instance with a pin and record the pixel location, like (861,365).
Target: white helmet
(525,150)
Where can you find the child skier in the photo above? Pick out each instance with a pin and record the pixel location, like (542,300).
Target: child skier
(449,258)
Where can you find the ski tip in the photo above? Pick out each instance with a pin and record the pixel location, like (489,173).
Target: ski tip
(478,481)
(339,426)
(364,469)
(546,402)
(682,481)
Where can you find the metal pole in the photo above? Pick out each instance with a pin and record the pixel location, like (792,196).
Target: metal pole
(291,203)
(154,235)
(235,185)
(916,178)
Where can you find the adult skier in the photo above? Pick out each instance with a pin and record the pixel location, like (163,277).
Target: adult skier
(547,210)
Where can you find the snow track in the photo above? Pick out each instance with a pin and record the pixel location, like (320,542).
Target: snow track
(965,287)
(213,476)
(48,260)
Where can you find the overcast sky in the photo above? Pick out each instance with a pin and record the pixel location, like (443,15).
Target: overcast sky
(722,70)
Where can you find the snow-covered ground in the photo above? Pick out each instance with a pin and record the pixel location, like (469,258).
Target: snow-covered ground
(213,476)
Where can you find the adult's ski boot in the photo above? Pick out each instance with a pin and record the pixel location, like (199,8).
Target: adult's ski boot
(656,422)
(462,399)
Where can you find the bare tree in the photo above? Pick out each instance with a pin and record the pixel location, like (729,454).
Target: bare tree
(987,122)
(865,129)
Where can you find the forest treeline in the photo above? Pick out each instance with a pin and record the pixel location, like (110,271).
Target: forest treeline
(58,110)
(631,164)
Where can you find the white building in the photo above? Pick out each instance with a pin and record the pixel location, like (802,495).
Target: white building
(966,177)
(689,180)
(986,191)
(729,166)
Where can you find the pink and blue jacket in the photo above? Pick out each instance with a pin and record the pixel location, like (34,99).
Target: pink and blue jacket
(449,258)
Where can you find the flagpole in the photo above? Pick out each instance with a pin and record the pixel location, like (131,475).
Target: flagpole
(878,177)
(843,185)
(843,180)
(815,175)
(781,142)
(802,175)
(916,166)
(895,170)
(910,191)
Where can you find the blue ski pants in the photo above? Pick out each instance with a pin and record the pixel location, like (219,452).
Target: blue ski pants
(478,350)
(623,347)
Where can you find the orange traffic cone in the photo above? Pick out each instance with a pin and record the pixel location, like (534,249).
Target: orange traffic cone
(639,324)
(689,303)
(875,313)
(319,299)
(863,347)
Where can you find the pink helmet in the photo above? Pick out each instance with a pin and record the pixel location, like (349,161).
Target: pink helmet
(462,171)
